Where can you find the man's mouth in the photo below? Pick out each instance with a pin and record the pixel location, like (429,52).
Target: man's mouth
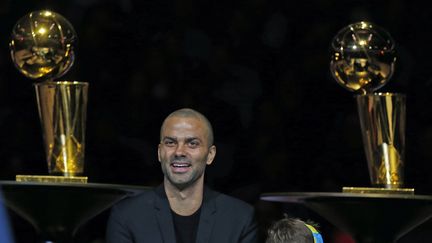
(180,166)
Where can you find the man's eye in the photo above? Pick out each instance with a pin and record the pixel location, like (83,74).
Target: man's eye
(169,143)
(193,144)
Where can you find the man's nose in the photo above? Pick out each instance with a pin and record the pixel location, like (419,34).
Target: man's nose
(181,149)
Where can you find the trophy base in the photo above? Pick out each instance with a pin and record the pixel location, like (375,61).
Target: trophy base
(51,179)
(378,190)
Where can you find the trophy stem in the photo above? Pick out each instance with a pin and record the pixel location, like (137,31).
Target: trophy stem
(382,119)
(62,111)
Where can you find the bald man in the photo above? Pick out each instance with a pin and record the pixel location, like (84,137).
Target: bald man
(182,209)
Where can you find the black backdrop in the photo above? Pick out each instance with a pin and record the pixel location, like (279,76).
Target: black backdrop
(258,69)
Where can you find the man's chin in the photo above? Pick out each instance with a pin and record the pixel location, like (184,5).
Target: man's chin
(182,184)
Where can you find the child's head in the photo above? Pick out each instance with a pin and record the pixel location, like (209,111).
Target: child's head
(293,230)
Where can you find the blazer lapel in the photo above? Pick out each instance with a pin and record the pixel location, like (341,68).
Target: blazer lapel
(163,215)
(207,217)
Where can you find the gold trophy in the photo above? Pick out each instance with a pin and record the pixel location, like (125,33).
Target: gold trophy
(363,61)
(42,48)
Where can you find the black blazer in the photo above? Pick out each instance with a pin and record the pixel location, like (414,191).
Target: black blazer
(146,218)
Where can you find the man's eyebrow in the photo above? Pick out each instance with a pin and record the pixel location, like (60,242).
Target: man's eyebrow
(192,138)
(188,139)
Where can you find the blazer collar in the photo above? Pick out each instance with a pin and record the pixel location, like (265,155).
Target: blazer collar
(163,215)
(165,221)
(207,218)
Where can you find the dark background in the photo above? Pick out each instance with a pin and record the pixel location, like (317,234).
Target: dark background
(258,69)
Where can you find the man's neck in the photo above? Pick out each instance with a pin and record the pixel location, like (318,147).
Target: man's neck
(187,201)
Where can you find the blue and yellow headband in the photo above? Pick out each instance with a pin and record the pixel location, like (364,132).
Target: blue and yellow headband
(316,235)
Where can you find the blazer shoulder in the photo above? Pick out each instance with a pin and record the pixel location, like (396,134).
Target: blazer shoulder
(230,203)
(141,200)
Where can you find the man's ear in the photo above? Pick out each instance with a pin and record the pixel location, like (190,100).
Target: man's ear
(211,155)
(159,156)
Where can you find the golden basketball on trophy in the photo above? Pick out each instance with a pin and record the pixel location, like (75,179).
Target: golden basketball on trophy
(42,45)
(363,57)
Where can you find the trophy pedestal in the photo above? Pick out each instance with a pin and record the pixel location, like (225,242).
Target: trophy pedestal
(51,179)
(57,210)
(369,218)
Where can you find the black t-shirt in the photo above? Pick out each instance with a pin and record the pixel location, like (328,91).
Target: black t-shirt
(186,226)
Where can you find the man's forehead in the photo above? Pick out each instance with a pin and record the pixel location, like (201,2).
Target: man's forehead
(185,127)
(180,122)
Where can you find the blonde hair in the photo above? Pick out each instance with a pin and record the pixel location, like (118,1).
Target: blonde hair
(289,230)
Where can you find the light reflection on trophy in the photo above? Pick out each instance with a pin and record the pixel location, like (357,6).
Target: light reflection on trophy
(363,60)
(42,48)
